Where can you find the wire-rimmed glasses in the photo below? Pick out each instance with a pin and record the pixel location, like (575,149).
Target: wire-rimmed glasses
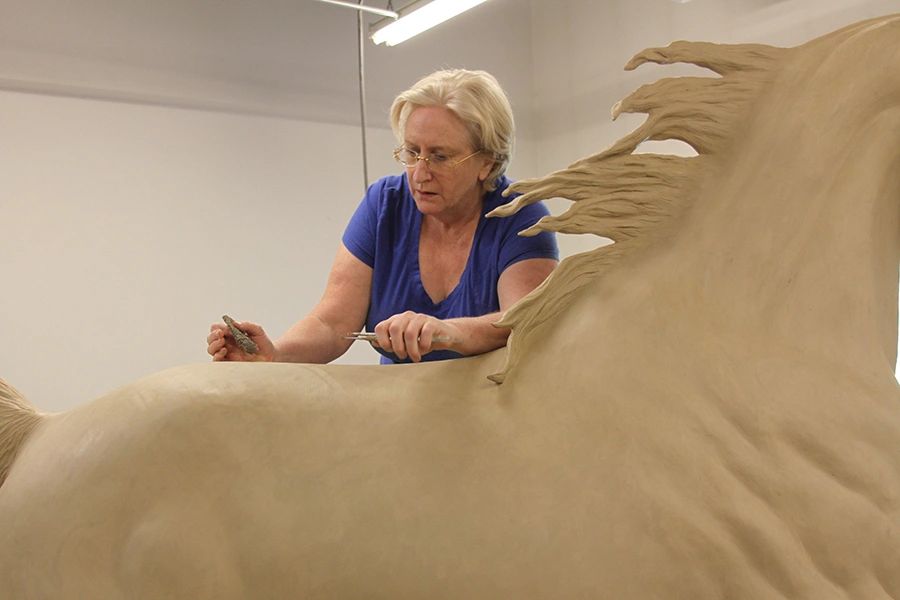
(436,162)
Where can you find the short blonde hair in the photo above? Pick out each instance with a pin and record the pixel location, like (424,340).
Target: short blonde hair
(477,99)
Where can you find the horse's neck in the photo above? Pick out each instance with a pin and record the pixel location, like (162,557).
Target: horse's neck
(798,234)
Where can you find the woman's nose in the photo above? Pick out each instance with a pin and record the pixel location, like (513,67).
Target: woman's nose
(421,171)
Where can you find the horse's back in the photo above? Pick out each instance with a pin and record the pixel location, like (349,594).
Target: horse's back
(221,481)
(151,490)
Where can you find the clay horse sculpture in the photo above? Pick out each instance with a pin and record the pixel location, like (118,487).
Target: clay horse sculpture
(705,409)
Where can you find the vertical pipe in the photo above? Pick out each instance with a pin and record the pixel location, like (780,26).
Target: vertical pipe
(362,95)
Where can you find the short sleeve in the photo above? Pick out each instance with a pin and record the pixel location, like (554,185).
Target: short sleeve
(360,235)
(516,248)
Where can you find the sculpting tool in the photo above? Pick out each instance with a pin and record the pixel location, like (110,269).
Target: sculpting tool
(242,339)
(368,336)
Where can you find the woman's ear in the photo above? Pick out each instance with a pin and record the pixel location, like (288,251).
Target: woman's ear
(486,167)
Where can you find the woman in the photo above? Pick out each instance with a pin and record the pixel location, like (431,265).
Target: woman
(420,265)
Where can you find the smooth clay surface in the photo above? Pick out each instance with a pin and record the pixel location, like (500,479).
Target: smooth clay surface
(705,409)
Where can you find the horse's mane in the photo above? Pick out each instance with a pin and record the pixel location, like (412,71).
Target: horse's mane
(633,198)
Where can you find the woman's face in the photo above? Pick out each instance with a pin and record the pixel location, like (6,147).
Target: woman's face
(452,193)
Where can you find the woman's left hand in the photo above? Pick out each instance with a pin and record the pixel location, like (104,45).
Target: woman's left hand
(414,335)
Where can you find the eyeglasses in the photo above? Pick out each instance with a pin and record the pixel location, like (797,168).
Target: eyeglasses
(437,162)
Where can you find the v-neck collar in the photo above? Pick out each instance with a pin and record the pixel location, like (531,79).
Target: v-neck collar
(417,272)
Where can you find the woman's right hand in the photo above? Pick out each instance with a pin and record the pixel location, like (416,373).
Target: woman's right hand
(221,344)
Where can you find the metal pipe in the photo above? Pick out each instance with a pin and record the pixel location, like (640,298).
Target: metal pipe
(361,31)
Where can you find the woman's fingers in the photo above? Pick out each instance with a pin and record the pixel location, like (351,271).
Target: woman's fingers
(419,335)
(265,348)
(411,341)
(411,335)
(221,346)
(215,342)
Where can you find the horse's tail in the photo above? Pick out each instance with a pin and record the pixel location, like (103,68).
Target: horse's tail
(18,419)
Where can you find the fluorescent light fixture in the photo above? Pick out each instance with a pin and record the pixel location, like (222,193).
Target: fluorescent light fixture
(417,21)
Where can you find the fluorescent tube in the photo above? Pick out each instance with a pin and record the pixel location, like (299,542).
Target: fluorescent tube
(421,19)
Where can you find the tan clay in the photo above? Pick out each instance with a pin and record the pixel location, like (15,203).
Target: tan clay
(705,409)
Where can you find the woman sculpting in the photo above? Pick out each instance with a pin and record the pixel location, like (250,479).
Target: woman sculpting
(420,264)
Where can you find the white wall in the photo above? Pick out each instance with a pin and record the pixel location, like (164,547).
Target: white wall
(129,228)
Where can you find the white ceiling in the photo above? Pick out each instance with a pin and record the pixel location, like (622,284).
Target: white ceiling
(298,58)
(292,58)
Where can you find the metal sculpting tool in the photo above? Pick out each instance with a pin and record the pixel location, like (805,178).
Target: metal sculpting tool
(368,336)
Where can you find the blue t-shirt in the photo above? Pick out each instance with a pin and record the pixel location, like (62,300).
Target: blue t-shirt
(384,234)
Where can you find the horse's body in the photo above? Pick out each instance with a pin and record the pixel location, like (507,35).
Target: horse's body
(706,409)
